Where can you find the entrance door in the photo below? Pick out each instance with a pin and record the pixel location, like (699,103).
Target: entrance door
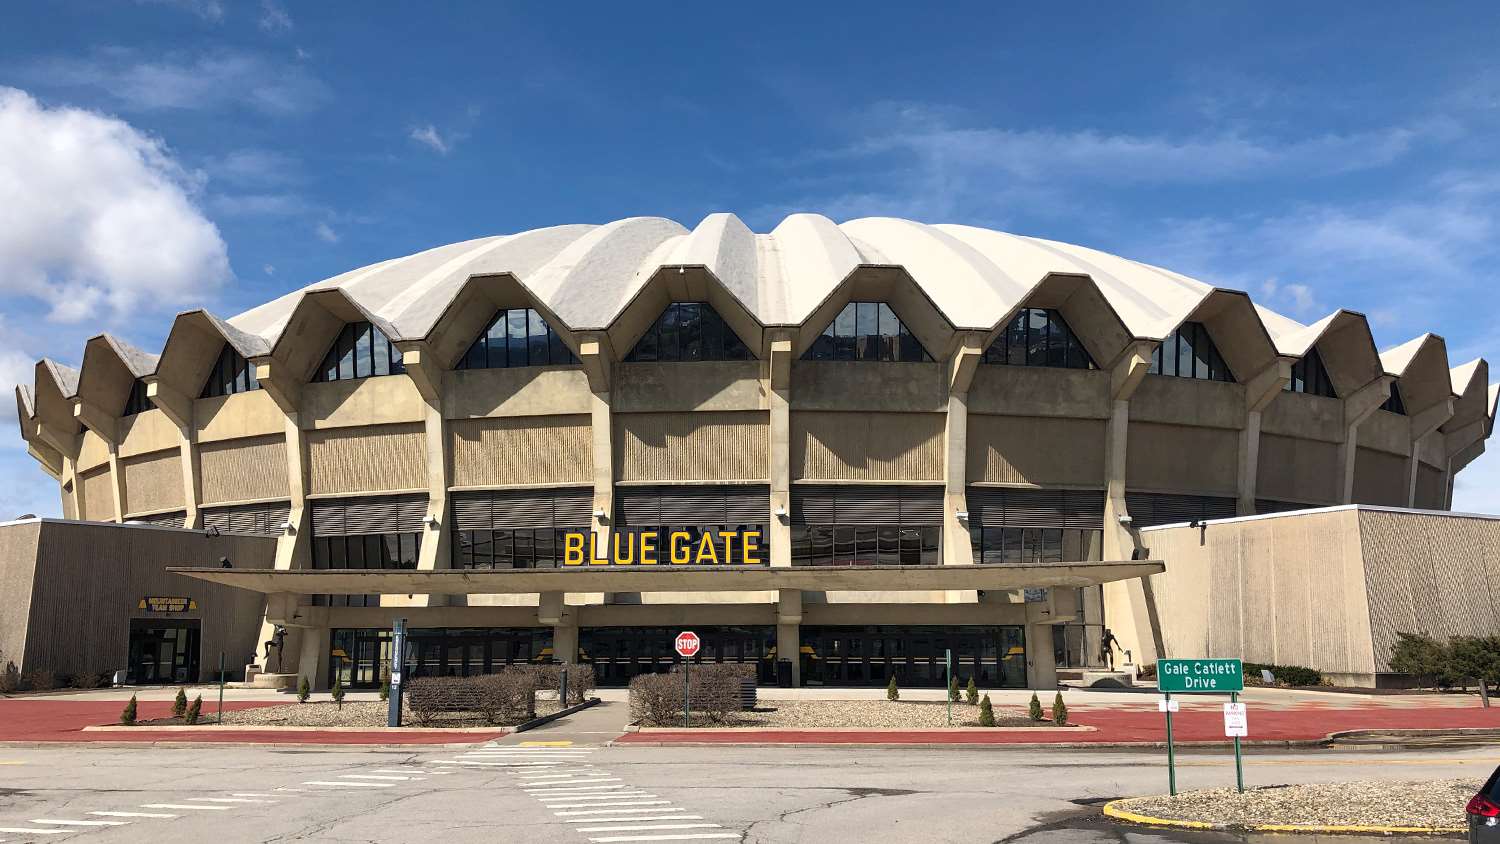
(163,651)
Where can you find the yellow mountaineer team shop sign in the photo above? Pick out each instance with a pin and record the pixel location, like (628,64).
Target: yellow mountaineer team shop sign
(677,548)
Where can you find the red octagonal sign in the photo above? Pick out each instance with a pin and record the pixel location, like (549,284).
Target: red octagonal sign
(688,643)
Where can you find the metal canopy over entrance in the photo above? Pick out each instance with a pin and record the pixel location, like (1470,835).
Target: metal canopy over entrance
(673,578)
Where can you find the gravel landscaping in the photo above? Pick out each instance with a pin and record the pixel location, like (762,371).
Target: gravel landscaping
(1429,805)
(866,713)
(328,714)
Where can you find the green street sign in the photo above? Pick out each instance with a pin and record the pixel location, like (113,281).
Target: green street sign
(1200,675)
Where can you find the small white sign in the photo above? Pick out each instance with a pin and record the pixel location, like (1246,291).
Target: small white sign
(1236,722)
(1164,705)
(395,678)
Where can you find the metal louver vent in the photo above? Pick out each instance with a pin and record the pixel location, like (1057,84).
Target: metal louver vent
(362,516)
(853,504)
(172,520)
(523,509)
(263,519)
(1011,507)
(1148,509)
(645,506)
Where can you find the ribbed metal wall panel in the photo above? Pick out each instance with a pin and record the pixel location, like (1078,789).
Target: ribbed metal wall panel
(521,509)
(174,520)
(642,506)
(363,516)
(856,504)
(264,519)
(1063,508)
(1147,509)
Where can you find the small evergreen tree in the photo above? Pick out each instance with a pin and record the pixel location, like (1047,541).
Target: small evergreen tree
(986,712)
(304,691)
(191,716)
(891,692)
(128,716)
(1059,711)
(953,689)
(1035,710)
(338,691)
(179,704)
(971,695)
(385,689)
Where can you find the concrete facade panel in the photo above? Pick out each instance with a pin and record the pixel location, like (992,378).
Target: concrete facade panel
(1304,416)
(153,482)
(1181,458)
(93,451)
(867,447)
(860,385)
(1386,431)
(518,391)
(525,450)
(252,414)
(1295,469)
(18,545)
(1432,488)
(1040,391)
(372,458)
(1036,450)
(1379,478)
(148,431)
(1188,401)
(97,495)
(716,446)
(384,400)
(250,469)
(701,385)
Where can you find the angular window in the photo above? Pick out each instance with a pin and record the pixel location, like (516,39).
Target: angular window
(137,402)
(1039,337)
(689,331)
(231,374)
(360,351)
(517,337)
(1189,352)
(1394,404)
(867,331)
(371,551)
(1309,376)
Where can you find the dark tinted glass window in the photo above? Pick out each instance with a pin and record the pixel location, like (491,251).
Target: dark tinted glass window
(137,402)
(517,337)
(1309,376)
(1039,337)
(1189,352)
(360,351)
(867,331)
(231,374)
(1395,404)
(689,331)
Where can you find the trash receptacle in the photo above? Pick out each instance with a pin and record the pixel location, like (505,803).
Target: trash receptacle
(784,673)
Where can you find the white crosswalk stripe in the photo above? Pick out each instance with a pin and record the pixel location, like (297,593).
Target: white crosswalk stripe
(78,823)
(691,836)
(613,810)
(621,803)
(135,815)
(230,800)
(28,830)
(379,777)
(184,806)
(347,784)
(640,818)
(644,827)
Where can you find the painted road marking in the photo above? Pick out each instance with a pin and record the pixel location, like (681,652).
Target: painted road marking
(543,744)
(561,773)
(688,836)
(231,800)
(574,789)
(246,794)
(134,814)
(184,806)
(608,795)
(495,764)
(378,777)
(26,830)
(352,784)
(640,819)
(541,784)
(621,803)
(78,823)
(408,771)
(613,810)
(649,826)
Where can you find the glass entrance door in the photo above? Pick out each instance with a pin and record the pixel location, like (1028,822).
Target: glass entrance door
(163,651)
(869,656)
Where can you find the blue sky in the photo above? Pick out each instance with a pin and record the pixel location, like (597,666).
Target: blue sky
(166,154)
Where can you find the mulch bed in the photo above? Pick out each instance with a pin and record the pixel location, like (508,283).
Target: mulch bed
(1429,805)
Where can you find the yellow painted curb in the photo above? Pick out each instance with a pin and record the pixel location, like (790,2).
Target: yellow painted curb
(1113,810)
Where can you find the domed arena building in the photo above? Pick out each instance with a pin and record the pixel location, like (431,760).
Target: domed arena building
(836,451)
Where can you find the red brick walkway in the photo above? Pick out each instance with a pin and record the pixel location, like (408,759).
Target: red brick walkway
(60,720)
(1136,725)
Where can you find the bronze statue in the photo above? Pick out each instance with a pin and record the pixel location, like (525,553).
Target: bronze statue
(277,640)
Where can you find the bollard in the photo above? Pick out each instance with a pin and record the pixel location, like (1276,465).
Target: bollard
(1484,693)
(562,688)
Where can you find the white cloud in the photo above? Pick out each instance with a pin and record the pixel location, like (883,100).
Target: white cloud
(207,81)
(326,233)
(428,135)
(269,269)
(209,10)
(274,17)
(110,220)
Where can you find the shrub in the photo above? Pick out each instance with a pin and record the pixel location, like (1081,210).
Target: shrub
(193,712)
(657,698)
(1035,710)
(88,679)
(580,681)
(509,694)
(338,690)
(1059,711)
(10,679)
(1474,658)
(40,680)
(986,712)
(891,691)
(179,704)
(1422,657)
(385,689)
(1286,675)
(127,717)
(304,691)
(971,695)
(953,689)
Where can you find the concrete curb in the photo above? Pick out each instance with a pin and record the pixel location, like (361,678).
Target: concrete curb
(283,728)
(636,728)
(1112,810)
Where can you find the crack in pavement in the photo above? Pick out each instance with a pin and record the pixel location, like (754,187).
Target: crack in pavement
(854,795)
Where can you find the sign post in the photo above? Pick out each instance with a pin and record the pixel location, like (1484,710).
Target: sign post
(1236,724)
(221,687)
(398,661)
(1202,676)
(948,665)
(687,645)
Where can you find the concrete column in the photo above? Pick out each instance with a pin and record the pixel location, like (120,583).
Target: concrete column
(779,390)
(1041,663)
(789,631)
(436,530)
(312,656)
(70,478)
(116,483)
(192,479)
(565,643)
(1260,390)
(294,549)
(553,611)
(1423,425)
(1126,374)
(1357,408)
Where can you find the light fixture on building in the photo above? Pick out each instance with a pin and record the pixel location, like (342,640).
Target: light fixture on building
(781,512)
(599,513)
(961,515)
(288,528)
(431,521)
(1125,520)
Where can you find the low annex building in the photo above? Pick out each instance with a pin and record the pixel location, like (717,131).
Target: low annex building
(839,448)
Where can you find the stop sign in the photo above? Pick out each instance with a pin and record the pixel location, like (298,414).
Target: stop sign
(688,643)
